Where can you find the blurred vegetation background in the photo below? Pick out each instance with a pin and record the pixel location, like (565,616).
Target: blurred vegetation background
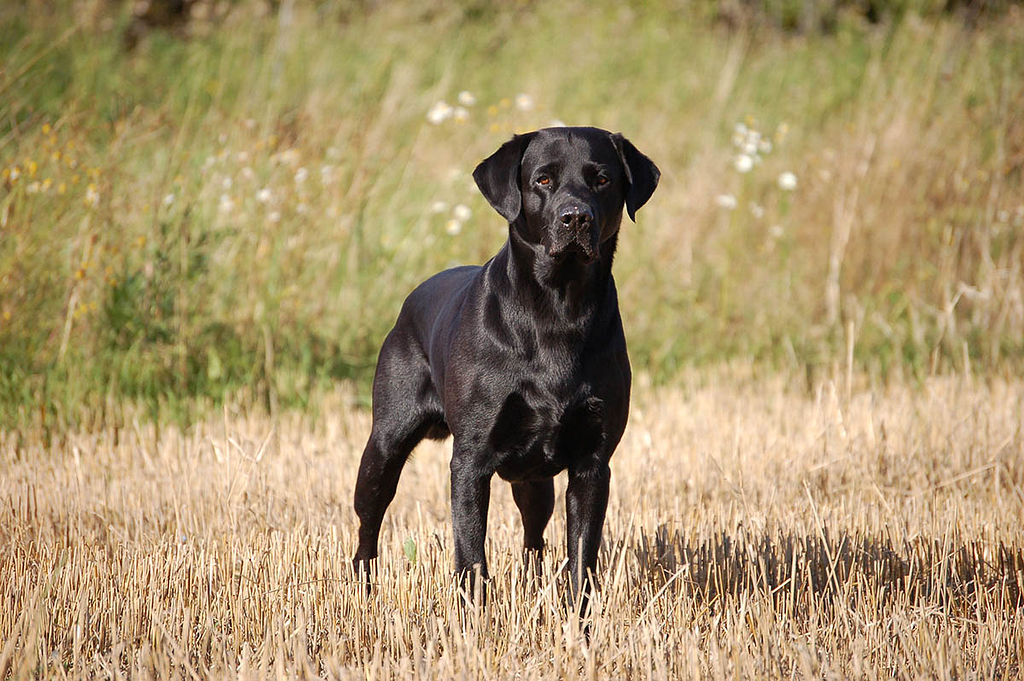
(209,200)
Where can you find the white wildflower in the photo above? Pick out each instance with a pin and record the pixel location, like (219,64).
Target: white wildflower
(326,173)
(440,112)
(226,183)
(168,199)
(226,204)
(242,157)
(92,196)
(301,174)
(248,173)
(726,201)
(466,98)
(743,163)
(264,195)
(775,231)
(460,114)
(33,188)
(274,216)
(462,212)
(288,157)
(438,207)
(756,210)
(557,123)
(751,142)
(524,102)
(787,181)
(764,146)
(453,227)
(333,153)
(250,123)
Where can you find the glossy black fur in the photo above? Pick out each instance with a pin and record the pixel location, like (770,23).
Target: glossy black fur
(523,359)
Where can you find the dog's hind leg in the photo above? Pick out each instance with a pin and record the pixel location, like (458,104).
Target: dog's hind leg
(536,502)
(405,410)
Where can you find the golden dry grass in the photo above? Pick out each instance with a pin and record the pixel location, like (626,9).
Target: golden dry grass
(755,529)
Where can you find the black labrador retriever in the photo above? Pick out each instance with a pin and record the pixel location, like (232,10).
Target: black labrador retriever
(523,359)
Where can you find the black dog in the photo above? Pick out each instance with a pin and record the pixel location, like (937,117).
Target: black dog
(522,359)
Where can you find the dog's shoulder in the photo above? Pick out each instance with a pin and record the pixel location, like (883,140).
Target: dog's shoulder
(442,287)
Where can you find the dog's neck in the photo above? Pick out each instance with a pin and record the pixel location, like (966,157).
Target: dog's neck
(571,289)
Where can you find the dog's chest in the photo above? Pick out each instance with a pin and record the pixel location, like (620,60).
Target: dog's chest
(534,436)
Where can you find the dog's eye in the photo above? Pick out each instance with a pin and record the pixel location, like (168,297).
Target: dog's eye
(543,180)
(601,181)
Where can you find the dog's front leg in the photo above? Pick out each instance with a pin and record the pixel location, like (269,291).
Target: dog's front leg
(586,500)
(471,494)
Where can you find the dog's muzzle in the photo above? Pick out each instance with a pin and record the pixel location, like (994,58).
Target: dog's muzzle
(575,233)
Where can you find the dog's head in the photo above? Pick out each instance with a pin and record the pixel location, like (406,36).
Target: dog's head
(564,188)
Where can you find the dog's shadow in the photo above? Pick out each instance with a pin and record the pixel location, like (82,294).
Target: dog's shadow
(801,573)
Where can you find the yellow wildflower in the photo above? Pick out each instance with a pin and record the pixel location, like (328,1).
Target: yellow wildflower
(92,196)
(46,128)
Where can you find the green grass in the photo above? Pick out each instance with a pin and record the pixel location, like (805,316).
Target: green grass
(151,271)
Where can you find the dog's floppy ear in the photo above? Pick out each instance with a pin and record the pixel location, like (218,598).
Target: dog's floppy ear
(497,176)
(641,173)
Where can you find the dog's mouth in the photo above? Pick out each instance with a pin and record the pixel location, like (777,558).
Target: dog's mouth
(574,254)
(579,248)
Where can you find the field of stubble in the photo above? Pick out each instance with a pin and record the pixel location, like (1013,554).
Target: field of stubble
(756,528)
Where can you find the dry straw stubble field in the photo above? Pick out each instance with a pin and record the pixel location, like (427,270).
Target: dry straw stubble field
(755,529)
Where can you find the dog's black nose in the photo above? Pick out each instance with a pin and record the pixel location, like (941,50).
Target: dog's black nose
(576,217)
